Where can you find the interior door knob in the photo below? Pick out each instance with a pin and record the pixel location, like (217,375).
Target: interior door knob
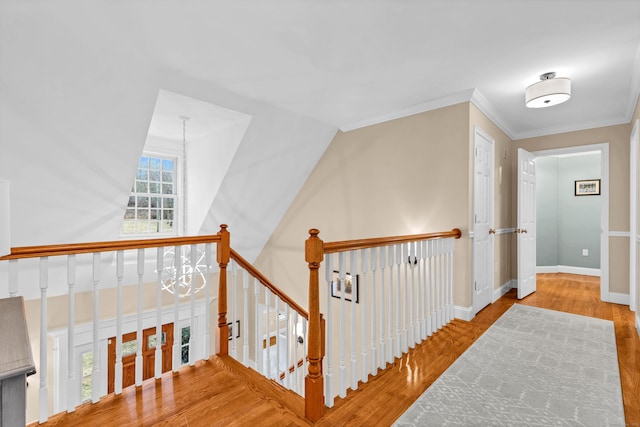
(492,231)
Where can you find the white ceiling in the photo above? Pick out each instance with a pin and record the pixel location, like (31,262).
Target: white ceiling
(352,63)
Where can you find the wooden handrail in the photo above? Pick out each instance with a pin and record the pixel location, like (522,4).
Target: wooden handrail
(118,245)
(243,263)
(350,245)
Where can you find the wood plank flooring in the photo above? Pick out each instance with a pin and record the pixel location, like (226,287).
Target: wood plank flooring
(220,392)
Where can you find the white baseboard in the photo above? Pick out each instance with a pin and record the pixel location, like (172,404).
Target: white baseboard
(464,313)
(617,298)
(499,293)
(637,316)
(568,269)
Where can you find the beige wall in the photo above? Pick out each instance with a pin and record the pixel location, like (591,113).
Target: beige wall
(503,181)
(618,139)
(405,176)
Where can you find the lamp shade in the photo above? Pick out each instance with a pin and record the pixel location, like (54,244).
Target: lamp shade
(5,226)
(549,92)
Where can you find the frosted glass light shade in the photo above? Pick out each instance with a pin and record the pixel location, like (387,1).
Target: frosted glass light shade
(5,226)
(547,93)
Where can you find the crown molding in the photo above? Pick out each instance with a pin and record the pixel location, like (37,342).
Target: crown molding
(478,99)
(432,104)
(572,128)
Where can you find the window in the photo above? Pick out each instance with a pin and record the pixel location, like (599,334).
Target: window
(87,368)
(184,345)
(153,201)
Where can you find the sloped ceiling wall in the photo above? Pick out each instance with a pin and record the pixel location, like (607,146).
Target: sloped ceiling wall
(73,122)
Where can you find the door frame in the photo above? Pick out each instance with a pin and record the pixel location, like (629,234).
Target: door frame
(634,142)
(479,132)
(603,148)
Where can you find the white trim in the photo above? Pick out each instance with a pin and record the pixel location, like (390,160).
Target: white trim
(634,140)
(637,317)
(502,290)
(432,104)
(604,207)
(570,128)
(482,104)
(619,234)
(464,313)
(618,298)
(584,271)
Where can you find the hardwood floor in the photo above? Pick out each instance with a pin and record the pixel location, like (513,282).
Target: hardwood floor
(220,392)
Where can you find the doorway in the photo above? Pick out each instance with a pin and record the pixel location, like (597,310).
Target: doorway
(575,249)
(129,349)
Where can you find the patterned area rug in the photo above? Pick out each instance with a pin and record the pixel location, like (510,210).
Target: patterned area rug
(532,367)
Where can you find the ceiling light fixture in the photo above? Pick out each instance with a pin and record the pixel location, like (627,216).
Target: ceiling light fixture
(549,91)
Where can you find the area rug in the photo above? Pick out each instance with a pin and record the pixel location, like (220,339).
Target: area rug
(532,367)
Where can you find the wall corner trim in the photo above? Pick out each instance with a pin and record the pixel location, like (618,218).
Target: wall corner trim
(464,313)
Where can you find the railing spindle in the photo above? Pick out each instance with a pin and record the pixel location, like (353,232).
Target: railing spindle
(159,268)
(117,382)
(140,271)
(95,374)
(71,356)
(44,365)
(177,332)
(364,376)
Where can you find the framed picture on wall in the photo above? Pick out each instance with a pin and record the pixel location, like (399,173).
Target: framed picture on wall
(347,287)
(587,187)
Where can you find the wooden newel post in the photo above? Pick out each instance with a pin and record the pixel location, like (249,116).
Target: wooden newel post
(224,253)
(314,381)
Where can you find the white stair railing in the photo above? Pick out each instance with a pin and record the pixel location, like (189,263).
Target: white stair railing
(267,328)
(90,272)
(382,297)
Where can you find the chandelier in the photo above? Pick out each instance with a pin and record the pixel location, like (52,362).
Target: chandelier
(182,276)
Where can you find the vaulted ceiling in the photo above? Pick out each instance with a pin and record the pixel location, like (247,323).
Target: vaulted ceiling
(77,75)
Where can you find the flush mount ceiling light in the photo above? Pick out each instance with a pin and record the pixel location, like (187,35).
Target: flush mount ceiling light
(549,91)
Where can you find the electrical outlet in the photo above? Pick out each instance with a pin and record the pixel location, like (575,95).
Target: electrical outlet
(585,252)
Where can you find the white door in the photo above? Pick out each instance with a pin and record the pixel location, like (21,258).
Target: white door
(526,226)
(482,220)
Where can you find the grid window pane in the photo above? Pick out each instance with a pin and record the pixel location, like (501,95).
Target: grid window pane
(150,208)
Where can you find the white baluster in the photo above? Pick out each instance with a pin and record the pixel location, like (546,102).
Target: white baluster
(258,328)
(140,267)
(374,312)
(431,321)
(267,303)
(193,345)
(117,388)
(44,364)
(440,284)
(287,354)
(423,291)
(329,396)
(450,243)
(393,295)
(354,299)
(278,355)
(13,278)
(408,315)
(245,318)
(305,362)
(383,346)
(177,332)
(362,288)
(231,317)
(160,267)
(413,311)
(342,369)
(207,305)
(71,353)
(399,308)
(95,374)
